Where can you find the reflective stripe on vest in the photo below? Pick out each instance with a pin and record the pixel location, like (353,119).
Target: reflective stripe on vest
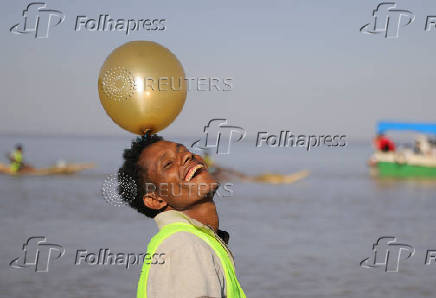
(233,289)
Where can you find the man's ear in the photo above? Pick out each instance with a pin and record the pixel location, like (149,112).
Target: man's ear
(153,201)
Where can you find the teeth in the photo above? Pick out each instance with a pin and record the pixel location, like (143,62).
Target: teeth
(192,172)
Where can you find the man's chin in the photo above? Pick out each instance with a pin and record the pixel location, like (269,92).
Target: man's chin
(208,198)
(208,195)
(205,178)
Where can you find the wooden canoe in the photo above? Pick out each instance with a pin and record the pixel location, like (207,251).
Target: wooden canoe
(279,178)
(226,174)
(67,169)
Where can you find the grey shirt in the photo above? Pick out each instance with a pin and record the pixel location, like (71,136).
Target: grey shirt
(191,268)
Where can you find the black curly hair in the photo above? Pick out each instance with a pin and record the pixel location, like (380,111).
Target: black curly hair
(133,170)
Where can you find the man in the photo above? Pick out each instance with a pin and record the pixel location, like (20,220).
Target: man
(175,188)
(423,146)
(16,159)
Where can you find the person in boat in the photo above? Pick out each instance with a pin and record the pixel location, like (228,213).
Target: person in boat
(16,159)
(189,256)
(433,147)
(383,143)
(423,146)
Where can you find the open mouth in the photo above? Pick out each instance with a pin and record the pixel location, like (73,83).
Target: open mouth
(193,172)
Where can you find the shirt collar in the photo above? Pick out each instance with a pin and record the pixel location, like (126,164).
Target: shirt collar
(172,216)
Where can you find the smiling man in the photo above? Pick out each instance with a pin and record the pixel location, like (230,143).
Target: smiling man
(175,188)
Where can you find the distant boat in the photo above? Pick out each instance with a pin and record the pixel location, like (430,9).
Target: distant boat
(60,169)
(227,174)
(419,162)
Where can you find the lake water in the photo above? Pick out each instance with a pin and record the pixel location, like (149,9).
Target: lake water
(301,240)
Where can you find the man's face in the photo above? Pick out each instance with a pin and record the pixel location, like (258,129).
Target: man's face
(180,178)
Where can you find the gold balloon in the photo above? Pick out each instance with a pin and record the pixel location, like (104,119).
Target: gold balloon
(142,86)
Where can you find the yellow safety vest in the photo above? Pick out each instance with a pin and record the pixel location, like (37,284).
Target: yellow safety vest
(18,159)
(233,289)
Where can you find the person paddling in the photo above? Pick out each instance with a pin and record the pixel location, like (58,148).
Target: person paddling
(16,159)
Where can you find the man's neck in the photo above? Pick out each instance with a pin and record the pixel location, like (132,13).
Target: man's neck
(205,213)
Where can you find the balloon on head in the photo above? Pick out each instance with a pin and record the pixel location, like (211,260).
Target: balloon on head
(142,87)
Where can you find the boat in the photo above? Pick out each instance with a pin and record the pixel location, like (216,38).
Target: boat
(227,174)
(59,169)
(406,162)
(279,178)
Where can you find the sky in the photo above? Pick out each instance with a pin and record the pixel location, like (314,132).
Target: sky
(302,66)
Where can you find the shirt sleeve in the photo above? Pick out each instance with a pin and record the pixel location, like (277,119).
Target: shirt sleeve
(191,269)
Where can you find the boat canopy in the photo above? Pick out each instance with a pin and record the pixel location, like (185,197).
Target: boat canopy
(429,128)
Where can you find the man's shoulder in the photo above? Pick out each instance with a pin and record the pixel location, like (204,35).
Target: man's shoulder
(195,264)
(184,240)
